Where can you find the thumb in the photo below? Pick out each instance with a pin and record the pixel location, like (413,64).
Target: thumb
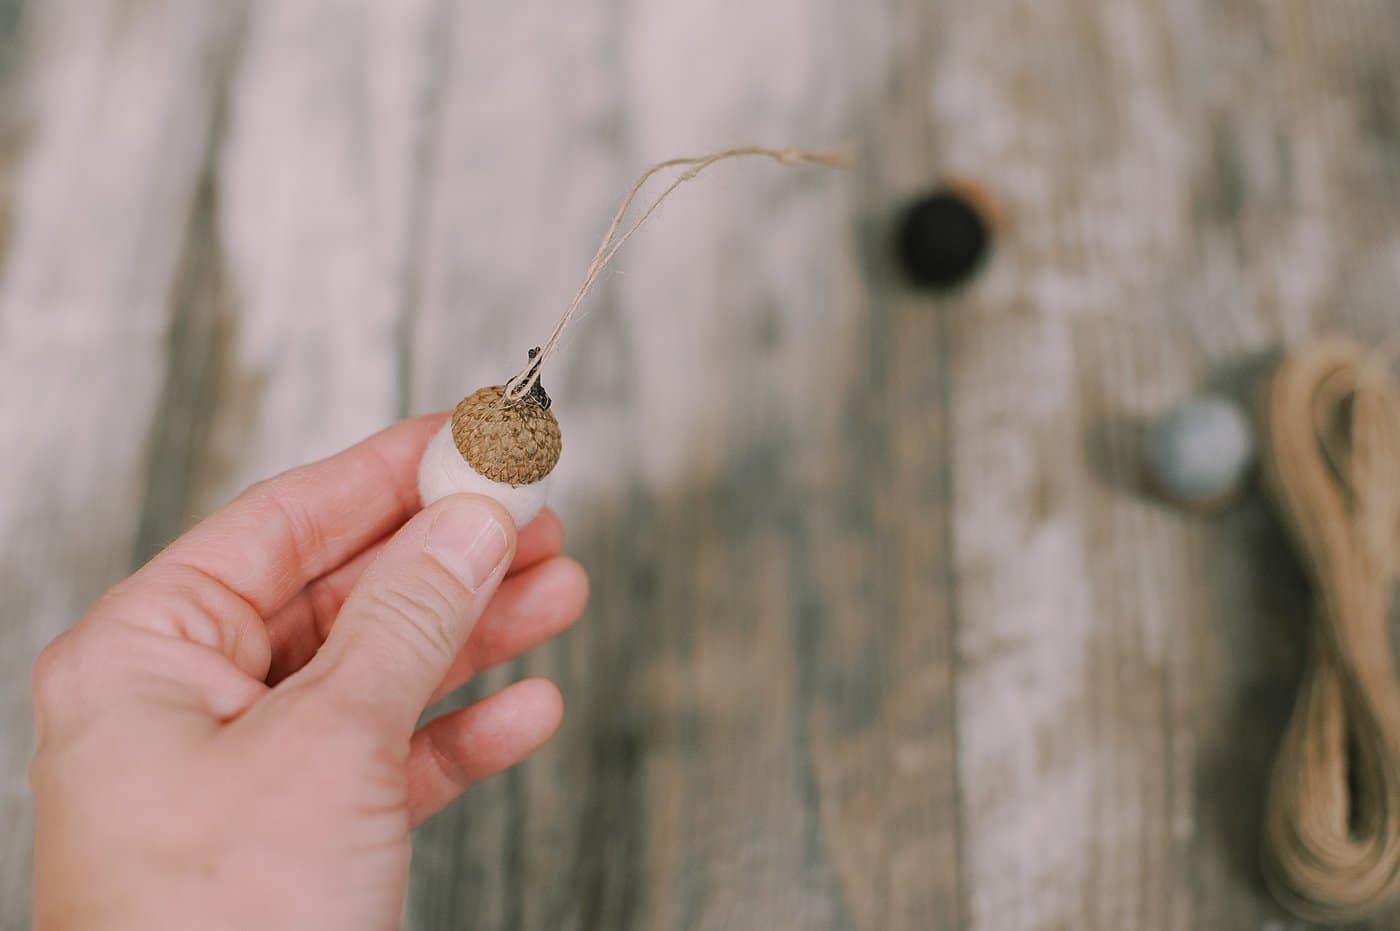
(409,616)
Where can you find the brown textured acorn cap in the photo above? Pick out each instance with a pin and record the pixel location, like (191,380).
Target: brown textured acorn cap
(513,442)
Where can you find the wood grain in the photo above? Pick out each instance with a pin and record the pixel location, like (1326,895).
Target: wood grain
(118,99)
(1123,669)
(885,634)
(766,666)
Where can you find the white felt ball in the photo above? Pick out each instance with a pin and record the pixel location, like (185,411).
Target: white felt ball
(1200,451)
(443,472)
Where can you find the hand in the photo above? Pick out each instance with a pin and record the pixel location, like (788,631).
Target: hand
(229,739)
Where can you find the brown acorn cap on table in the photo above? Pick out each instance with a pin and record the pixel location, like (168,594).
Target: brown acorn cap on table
(516,442)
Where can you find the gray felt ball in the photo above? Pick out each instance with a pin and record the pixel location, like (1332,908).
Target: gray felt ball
(1201,450)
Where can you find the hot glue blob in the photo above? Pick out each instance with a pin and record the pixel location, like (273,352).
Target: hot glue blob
(495,446)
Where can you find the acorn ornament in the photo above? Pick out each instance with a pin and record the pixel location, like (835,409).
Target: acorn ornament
(496,445)
(503,441)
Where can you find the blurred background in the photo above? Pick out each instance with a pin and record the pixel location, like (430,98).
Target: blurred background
(885,633)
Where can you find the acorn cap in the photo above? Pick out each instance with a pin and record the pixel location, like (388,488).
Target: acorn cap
(513,442)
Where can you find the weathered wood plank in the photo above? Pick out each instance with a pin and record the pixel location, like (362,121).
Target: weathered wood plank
(1123,669)
(15,71)
(497,260)
(117,99)
(759,730)
(315,195)
(234,243)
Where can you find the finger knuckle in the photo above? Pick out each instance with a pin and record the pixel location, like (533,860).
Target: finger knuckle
(445,761)
(277,502)
(422,614)
(50,673)
(61,680)
(260,490)
(199,609)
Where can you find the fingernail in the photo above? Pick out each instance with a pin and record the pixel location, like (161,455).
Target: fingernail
(469,541)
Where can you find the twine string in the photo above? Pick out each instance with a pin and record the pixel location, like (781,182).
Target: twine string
(1331,841)
(520,385)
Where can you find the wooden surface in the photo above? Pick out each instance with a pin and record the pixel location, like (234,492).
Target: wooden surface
(884,636)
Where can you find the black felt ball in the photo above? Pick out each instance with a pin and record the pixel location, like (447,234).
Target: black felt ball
(942,239)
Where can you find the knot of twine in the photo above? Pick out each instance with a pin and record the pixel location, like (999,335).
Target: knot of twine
(519,386)
(1331,842)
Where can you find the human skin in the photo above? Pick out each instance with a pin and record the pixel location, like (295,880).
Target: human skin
(230,738)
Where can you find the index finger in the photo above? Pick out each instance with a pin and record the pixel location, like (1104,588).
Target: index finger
(282,533)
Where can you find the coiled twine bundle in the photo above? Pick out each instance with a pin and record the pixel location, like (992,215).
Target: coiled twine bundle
(1331,841)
